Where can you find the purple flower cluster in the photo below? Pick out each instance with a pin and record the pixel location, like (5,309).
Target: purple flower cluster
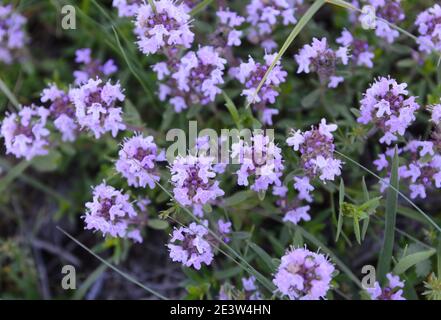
(137,161)
(293,211)
(361,54)
(194,79)
(25,132)
(193,180)
(224,229)
(62,111)
(429,28)
(390,11)
(127,8)
(251,73)
(316,148)
(393,290)
(191,246)
(386,104)
(168,27)
(91,68)
(422,168)
(265,15)
(303,275)
(249,292)
(12,34)
(112,213)
(96,106)
(228,22)
(320,58)
(260,159)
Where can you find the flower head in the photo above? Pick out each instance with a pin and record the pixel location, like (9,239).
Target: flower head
(111,213)
(320,58)
(167,26)
(303,275)
(96,106)
(391,11)
(316,148)
(251,73)
(228,22)
(127,8)
(387,105)
(195,79)
(265,15)
(190,246)
(12,34)
(137,161)
(259,159)
(193,180)
(393,290)
(91,68)
(25,132)
(361,54)
(429,28)
(62,111)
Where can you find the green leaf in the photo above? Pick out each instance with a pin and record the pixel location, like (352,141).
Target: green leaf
(357,230)
(229,104)
(365,189)
(4,88)
(265,257)
(199,7)
(411,260)
(158,224)
(341,199)
(238,198)
(12,174)
(131,114)
(384,260)
(310,99)
(47,163)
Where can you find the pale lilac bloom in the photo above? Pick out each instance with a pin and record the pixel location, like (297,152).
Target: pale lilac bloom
(127,8)
(423,170)
(429,28)
(304,188)
(390,11)
(296,215)
(112,213)
(97,107)
(194,183)
(168,27)
(316,148)
(260,161)
(303,275)
(228,22)
(250,74)
(62,111)
(388,105)
(195,79)
(250,289)
(137,161)
(393,290)
(320,58)
(91,68)
(265,15)
(25,132)
(12,34)
(360,52)
(190,246)
(224,228)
